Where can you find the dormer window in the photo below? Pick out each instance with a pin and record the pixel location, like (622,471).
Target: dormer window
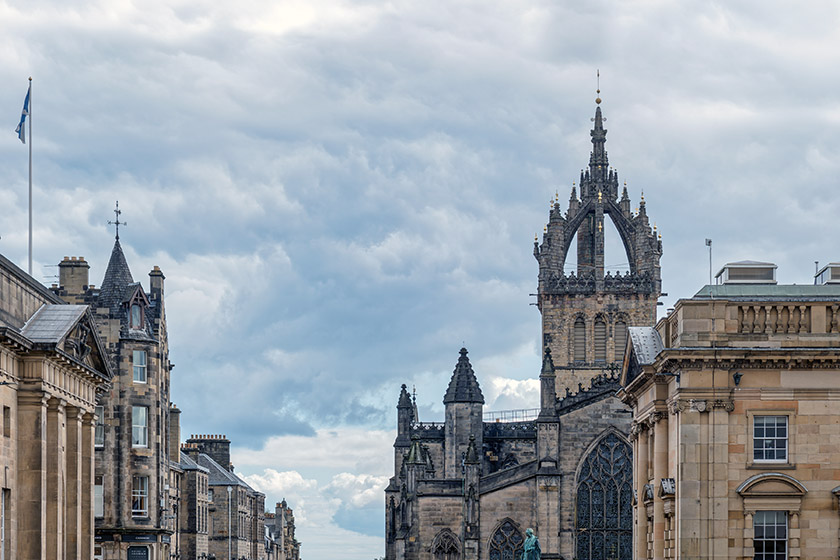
(136,319)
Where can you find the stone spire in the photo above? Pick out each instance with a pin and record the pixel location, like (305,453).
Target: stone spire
(463,387)
(117,278)
(598,161)
(405,399)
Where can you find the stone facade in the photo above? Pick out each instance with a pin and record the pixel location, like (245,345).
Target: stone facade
(736,424)
(468,487)
(281,543)
(235,511)
(189,495)
(53,366)
(132,433)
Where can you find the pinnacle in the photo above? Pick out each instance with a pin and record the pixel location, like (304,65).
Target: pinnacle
(463,387)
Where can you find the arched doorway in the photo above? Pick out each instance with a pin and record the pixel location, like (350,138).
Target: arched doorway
(604,508)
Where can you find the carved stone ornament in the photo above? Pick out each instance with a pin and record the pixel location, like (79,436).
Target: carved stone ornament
(678,406)
(725,404)
(656,416)
(699,406)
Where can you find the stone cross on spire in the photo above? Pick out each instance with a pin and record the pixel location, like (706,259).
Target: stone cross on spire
(117,221)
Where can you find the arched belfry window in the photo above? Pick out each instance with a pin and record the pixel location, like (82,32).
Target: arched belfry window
(445,546)
(620,339)
(600,340)
(507,542)
(604,506)
(579,343)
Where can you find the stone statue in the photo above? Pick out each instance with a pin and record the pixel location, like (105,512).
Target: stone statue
(532,546)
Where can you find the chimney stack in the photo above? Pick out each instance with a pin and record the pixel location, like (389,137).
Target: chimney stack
(73,273)
(174,433)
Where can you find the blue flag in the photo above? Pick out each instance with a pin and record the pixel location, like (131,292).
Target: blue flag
(21,130)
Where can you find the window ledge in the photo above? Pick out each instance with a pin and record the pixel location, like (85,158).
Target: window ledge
(771,466)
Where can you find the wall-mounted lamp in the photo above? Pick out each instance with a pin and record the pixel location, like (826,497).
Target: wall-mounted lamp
(736,377)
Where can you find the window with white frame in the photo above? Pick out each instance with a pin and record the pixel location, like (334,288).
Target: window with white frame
(770,535)
(139,426)
(99,430)
(770,438)
(140,496)
(138,360)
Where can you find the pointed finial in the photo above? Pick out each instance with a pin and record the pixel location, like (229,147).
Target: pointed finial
(535,238)
(117,221)
(643,195)
(600,198)
(598,90)
(545,229)
(654,226)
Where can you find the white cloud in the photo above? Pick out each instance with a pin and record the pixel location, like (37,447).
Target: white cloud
(341,194)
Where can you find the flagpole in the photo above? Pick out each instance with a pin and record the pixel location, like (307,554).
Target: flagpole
(30,176)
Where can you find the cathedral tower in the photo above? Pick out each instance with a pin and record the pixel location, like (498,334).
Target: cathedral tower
(585,313)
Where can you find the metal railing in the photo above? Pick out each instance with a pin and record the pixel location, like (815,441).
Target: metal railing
(521,415)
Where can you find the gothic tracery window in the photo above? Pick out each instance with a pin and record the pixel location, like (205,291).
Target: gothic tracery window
(604,516)
(445,546)
(506,543)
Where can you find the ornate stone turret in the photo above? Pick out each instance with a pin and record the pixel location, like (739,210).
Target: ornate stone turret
(405,416)
(586,312)
(464,405)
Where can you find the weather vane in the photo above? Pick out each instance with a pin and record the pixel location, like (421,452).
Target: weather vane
(117,222)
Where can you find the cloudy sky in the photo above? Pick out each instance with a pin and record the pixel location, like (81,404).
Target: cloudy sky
(342,193)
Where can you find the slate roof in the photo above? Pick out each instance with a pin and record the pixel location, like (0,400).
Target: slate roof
(647,343)
(769,292)
(51,323)
(463,387)
(218,475)
(112,292)
(189,465)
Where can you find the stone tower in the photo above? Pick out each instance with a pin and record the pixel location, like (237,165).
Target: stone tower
(464,406)
(585,313)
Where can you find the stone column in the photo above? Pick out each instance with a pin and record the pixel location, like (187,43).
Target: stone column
(660,471)
(641,470)
(56,477)
(73,510)
(32,476)
(86,492)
